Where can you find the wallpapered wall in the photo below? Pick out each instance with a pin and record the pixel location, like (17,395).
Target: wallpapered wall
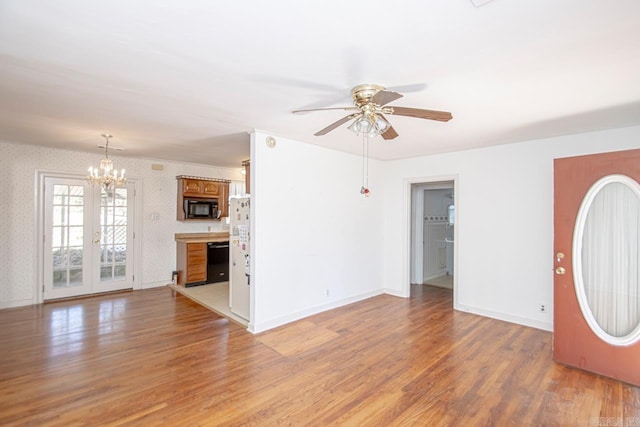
(18,204)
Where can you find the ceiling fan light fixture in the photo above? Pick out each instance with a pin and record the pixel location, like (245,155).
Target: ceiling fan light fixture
(362,125)
(372,126)
(380,125)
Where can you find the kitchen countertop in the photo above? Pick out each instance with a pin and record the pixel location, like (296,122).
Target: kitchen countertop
(212,236)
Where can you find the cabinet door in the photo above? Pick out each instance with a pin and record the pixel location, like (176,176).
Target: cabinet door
(196,262)
(210,188)
(192,187)
(223,204)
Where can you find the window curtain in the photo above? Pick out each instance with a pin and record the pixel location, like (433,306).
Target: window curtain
(610,259)
(237,188)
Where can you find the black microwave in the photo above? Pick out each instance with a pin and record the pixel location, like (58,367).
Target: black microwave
(201,209)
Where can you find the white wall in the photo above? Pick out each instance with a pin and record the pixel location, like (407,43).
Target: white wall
(504,221)
(18,166)
(312,231)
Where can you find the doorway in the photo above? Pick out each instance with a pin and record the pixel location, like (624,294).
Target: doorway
(432,233)
(87,237)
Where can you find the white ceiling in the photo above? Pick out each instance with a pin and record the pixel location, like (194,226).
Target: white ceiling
(186,79)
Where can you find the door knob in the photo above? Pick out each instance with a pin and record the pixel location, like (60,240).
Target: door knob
(560,270)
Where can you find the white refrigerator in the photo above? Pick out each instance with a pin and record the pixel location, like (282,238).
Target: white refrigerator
(240,257)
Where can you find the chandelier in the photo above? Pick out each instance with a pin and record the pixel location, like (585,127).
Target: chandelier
(105,174)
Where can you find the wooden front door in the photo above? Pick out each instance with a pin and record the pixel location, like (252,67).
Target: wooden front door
(597,252)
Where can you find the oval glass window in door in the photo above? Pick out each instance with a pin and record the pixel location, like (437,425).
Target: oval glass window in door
(606,258)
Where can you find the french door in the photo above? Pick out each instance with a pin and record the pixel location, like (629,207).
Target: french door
(88,238)
(596,262)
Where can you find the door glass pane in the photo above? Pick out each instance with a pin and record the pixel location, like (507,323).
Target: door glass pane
(67,234)
(60,278)
(120,272)
(120,235)
(120,216)
(106,274)
(76,215)
(57,236)
(60,215)
(76,234)
(121,197)
(75,256)
(608,278)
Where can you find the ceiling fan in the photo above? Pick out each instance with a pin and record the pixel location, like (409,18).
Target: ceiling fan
(370,102)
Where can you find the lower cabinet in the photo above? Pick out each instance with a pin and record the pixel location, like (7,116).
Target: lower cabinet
(192,263)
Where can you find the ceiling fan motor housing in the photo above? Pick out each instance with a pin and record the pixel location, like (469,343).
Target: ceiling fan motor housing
(363,93)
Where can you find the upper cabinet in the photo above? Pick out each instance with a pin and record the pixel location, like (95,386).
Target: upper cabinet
(194,188)
(190,187)
(214,189)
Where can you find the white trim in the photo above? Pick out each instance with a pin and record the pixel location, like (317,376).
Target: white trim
(150,285)
(39,178)
(511,318)
(578,279)
(16,303)
(406,236)
(392,292)
(138,238)
(274,323)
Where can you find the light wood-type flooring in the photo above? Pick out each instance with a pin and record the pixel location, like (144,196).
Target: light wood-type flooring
(214,296)
(155,357)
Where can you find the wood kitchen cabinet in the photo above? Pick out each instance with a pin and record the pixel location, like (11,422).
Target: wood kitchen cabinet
(191,187)
(202,188)
(192,263)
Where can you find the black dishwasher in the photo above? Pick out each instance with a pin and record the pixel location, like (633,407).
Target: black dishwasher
(217,262)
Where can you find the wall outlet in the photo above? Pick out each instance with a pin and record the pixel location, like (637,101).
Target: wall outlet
(542,308)
(326,292)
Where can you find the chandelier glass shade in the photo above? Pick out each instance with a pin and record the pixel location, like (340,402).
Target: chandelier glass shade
(105,175)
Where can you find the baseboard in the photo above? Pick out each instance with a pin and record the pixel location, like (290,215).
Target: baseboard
(435,276)
(150,285)
(395,293)
(524,321)
(256,328)
(16,303)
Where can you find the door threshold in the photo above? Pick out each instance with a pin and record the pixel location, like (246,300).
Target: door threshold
(77,297)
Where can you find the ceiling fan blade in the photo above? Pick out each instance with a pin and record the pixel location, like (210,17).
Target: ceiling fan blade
(390,133)
(326,109)
(385,96)
(442,116)
(334,125)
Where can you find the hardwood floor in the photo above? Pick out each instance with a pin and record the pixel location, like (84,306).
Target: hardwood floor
(155,357)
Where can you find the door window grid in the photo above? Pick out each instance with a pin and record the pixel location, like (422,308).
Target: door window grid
(67,235)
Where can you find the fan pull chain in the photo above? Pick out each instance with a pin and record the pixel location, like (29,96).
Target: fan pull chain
(365,165)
